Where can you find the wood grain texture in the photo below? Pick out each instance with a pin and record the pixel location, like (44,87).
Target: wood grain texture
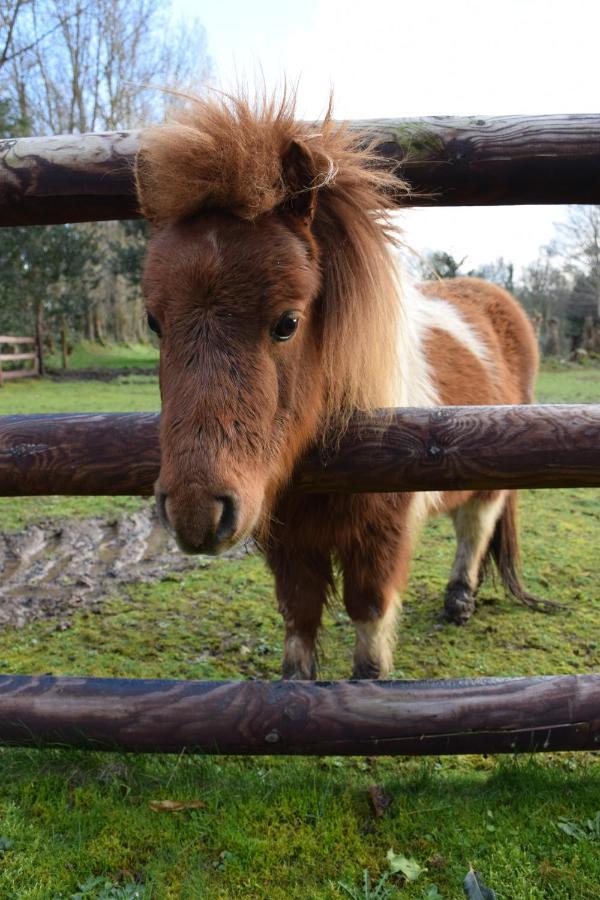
(448,161)
(463,447)
(67,178)
(81,454)
(492,715)
(470,447)
(488,161)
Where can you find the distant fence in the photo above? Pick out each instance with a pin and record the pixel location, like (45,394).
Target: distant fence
(18,357)
(470,161)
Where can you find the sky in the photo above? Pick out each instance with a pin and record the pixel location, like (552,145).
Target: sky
(396,58)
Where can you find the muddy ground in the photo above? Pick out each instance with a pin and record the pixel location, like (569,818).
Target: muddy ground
(53,569)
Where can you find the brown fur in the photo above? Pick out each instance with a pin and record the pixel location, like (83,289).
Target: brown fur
(254,215)
(504,327)
(226,154)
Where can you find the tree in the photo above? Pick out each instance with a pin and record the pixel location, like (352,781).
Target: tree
(74,66)
(46,272)
(581,309)
(578,242)
(440,264)
(544,287)
(500,272)
(86,65)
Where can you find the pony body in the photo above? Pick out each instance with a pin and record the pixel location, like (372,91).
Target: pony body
(273,280)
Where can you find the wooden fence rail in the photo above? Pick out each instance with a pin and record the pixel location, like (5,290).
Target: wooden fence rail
(448,161)
(445,448)
(486,715)
(9,374)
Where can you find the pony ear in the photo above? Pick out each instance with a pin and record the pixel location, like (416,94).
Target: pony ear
(299,176)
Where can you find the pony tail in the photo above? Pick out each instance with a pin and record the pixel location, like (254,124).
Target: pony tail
(504,550)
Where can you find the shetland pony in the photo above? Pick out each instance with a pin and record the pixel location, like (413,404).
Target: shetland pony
(273,282)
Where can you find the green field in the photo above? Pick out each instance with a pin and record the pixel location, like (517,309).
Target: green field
(81,825)
(87,355)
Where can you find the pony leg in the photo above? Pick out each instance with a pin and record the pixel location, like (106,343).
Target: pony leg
(474,524)
(302,584)
(372,581)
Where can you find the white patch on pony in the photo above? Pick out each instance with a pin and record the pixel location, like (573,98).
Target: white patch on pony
(375,640)
(415,385)
(437,313)
(474,523)
(299,655)
(445,316)
(423,504)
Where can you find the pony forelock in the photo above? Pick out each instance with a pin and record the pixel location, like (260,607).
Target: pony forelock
(225,153)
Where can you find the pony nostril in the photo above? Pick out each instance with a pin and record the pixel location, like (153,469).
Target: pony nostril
(228,520)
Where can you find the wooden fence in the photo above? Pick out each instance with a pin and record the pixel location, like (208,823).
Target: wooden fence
(473,161)
(17,356)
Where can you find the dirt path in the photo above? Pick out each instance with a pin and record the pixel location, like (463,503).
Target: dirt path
(53,569)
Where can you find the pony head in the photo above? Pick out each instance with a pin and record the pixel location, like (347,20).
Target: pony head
(268,280)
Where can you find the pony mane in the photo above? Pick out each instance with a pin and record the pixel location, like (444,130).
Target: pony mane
(226,153)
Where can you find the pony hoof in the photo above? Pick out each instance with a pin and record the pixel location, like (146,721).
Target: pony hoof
(459,604)
(291,671)
(366,670)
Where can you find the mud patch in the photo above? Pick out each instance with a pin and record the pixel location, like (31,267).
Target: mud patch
(54,569)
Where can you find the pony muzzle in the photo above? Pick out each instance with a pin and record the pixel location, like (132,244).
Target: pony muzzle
(201,522)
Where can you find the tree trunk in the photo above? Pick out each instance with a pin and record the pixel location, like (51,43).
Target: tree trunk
(99,331)
(552,346)
(39,338)
(90,330)
(64,343)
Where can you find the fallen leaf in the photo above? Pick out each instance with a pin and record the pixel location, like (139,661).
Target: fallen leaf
(588,828)
(175,805)
(407,866)
(379,800)
(475,887)
(432,893)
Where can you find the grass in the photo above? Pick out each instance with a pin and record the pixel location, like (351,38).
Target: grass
(568,383)
(131,393)
(303,828)
(88,355)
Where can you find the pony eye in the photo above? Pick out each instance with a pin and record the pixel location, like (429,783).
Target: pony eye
(285,326)
(153,324)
